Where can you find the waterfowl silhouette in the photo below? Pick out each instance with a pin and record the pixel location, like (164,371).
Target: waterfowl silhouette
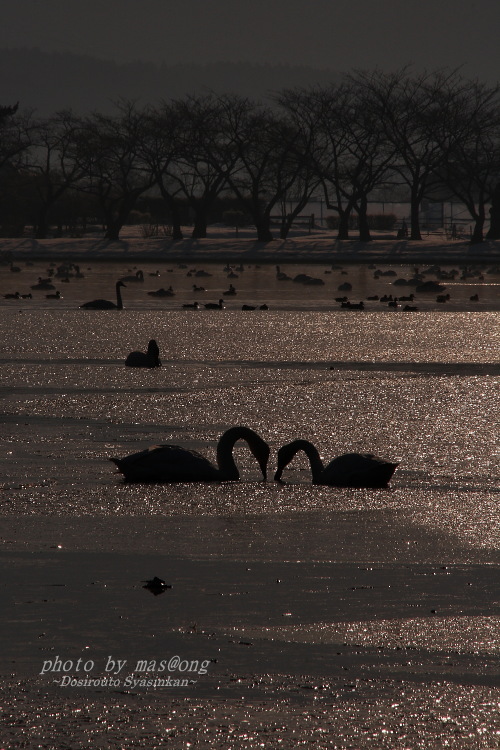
(348,470)
(56,295)
(172,463)
(151,358)
(281,275)
(43,284)
(163,292)
(192,305)
(156,585)
(230,291)
(104,304)
(215,305)
(137,278)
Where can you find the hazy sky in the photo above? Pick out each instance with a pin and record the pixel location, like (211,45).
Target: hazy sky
(336,34)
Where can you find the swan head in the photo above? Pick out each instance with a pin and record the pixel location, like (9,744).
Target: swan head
(261,451)
(120,283)
(285,455)
(287,452)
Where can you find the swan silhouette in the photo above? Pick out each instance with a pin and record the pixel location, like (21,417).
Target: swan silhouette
(138,277)
(215,305)
(104,304)
(348,470)
(151,358)
(171,463)
(163,292)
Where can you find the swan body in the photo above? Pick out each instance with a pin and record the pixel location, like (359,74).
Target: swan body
(151,358)
(163,292)
(104,304)
(215,305)
(348,470)
(171,463)
(138,277)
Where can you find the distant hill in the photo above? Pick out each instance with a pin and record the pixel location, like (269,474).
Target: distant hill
(48,82)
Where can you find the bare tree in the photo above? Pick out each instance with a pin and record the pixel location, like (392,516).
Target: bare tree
(110,152)
(50,163)
(160,150)
(204,158)
(472,169)
(266,147)
(415,113)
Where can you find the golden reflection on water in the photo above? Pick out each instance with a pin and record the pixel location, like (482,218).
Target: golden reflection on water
(461,634)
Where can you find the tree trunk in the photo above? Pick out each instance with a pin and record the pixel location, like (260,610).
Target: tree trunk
(264,233)
(200,225)
(42,227)
(415,217)
(285,227)
(478,231)
(343,233)
(176,223)
(494,230)
(364,229)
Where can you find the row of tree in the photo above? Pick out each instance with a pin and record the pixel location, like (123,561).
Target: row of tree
(436,135)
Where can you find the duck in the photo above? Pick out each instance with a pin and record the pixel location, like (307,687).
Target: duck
(172,463)
(198,288)
(163,292)
(137,278)
(104,304)
(230,291)
(348,470)
(57,295)
(43,284)
(151,358)
(12,295)
(215,305)
(192,305)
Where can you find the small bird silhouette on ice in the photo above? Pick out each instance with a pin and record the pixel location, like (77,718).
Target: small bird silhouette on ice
(156,585)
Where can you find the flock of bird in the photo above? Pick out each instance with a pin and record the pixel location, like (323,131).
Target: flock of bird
(172,463)
(417,281)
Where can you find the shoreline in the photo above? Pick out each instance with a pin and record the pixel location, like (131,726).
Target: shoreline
(316,248)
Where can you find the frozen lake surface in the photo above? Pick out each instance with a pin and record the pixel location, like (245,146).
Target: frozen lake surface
(420,559)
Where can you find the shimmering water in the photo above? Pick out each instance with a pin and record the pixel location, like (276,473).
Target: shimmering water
(368,586)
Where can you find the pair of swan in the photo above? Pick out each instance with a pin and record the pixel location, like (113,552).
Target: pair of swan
(171,463)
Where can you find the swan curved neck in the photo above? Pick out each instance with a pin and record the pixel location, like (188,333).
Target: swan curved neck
(312,454)
(225,460)
(119,301)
